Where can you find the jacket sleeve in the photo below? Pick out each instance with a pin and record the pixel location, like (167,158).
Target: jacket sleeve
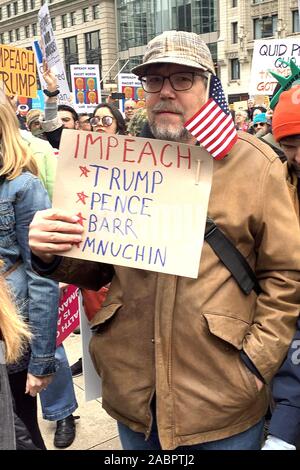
(86,274)
(43,293)
(285,421)
(278,272)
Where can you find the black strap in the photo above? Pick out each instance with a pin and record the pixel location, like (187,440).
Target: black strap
(231,258)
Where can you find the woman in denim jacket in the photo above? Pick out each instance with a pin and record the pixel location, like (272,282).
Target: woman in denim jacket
(21,195)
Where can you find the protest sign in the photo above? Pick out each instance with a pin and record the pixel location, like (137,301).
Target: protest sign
(64,96)
(17,71)
(130,85)
(48,41)
(268,55)
(68,314)
(142,202)
(86,87)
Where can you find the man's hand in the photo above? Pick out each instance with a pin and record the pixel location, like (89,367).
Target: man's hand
(35,384)
(49,77)
(53,231)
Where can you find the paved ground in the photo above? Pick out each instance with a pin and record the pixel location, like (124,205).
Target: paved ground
(95,429)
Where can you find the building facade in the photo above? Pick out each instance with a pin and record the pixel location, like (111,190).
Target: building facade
(138,21)
(241,22)
(85,31)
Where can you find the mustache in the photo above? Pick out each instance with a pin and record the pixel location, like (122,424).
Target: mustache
(167,107)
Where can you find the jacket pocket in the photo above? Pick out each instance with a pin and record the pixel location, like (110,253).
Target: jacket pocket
(104,316)
(232,331)
(228,328)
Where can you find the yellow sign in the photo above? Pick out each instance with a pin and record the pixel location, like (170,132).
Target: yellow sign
(18,71)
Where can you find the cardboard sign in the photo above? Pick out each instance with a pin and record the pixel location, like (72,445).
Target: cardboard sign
(86,87)
(50,48)
(68,314)
(240,105)
(58,69)
(142,202)
(130,85)
(266,56)
(17,71)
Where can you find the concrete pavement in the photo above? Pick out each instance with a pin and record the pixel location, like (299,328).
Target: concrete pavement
(95,429)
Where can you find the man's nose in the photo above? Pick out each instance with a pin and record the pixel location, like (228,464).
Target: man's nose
(297,155)
(167,90)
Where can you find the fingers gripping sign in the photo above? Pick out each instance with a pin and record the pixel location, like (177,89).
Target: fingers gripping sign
(53,231)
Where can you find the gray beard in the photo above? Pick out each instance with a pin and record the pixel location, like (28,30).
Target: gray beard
(180,134)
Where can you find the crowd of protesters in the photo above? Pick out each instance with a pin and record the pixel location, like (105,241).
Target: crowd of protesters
(177,340)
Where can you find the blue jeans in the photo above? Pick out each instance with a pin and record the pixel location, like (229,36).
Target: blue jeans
(247,440)
(58,400)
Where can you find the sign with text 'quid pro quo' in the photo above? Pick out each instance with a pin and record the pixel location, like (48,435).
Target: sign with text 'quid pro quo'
(142,202)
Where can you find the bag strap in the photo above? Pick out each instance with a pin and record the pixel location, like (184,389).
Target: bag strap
(231,257)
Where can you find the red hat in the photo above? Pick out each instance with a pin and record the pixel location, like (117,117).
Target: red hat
(286,117)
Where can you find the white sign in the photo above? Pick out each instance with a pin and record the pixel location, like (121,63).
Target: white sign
(267,56)
(130,85)
(142,202)
(49,45)
(86,87)
(64,96)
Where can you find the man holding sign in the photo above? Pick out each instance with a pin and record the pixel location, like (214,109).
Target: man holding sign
(185,362)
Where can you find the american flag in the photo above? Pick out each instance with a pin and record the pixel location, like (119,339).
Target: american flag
(213,125)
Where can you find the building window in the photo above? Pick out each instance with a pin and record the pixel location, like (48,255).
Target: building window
(53,21)
(234,3)
(27,31)
(8,11)
(64,21)
(85,15)
(296,28)
(235,69)
(72,18)
(32,4)
(96,12)
(15,8)
(70,54)
(25,5)
(1,38)
(34,29)
(18,34)
(92,48)
(234,32)
(0,13)
(11,36)
(265,27)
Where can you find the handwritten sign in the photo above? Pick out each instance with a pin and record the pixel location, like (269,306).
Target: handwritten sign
(58,69)
(17,71)
(50,48)
(142,202)
(266,56)
(68,314)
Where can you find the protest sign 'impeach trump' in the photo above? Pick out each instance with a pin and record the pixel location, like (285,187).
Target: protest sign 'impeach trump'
(18,71)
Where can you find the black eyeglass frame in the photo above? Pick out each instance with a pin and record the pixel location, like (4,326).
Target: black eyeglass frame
(169,77)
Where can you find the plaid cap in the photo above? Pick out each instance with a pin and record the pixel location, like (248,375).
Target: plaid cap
(32,116)
(176,47)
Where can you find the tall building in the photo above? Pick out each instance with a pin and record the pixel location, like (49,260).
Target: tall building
(85,30)
(138,21)
(241,22)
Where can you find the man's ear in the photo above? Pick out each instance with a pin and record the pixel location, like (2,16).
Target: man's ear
(77,125)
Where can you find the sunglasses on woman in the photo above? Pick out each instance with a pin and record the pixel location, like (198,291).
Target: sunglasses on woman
(104,121)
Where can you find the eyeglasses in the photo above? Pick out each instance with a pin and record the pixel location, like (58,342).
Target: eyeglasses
(181,81)
(105,121)
(129,108)
(259,124)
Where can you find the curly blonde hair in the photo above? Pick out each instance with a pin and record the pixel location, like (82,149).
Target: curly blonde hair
(15,153)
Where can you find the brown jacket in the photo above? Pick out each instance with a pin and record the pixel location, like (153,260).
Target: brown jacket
(181,337)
